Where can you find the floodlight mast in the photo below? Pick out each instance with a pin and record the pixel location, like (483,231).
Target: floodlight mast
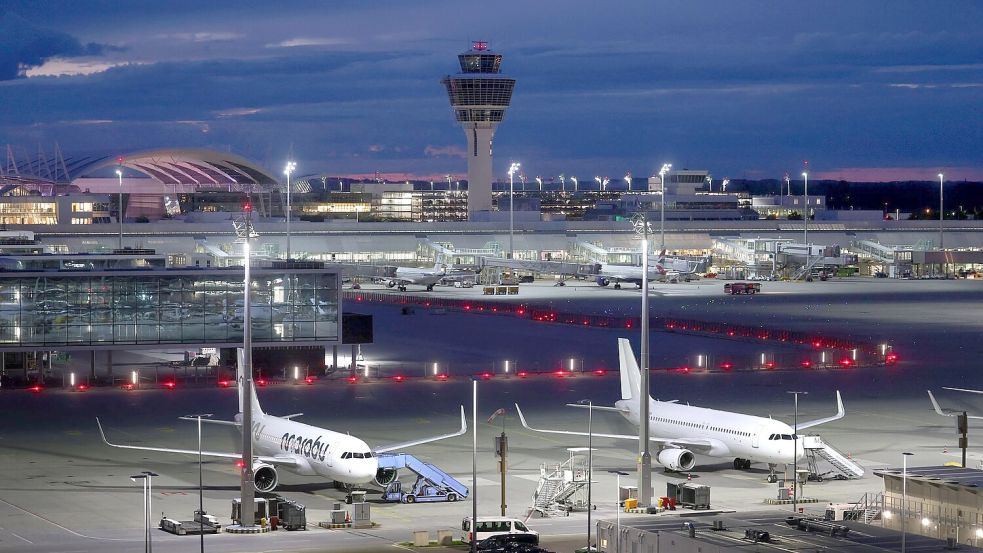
(666,167)
(641,225)
(290,168)
(244,235)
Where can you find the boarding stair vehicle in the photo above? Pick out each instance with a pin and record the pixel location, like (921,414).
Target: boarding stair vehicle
(816,449)
(561,487)
(432,484)
(867,510)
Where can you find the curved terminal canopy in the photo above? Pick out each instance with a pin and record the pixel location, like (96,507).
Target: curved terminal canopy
(197,167)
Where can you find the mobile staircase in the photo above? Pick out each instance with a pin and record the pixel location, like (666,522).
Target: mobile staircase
(561,487)
(816,449)
(869,508)
(432,484)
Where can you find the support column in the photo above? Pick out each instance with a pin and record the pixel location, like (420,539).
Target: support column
(334,358)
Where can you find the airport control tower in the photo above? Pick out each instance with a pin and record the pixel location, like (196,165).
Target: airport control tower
(479,95)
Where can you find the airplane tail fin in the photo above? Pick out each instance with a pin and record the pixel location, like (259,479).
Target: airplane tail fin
(631,376)
(241,384)
(439,265)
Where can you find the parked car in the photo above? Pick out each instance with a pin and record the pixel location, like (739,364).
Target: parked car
(511,543)
(880,274)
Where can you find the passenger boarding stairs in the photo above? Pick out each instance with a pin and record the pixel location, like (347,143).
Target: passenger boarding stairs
(561,488)
(431,481)
(815,447)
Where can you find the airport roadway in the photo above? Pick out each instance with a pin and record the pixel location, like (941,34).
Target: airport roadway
(62,490)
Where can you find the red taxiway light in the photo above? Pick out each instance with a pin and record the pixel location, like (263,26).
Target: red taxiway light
(817,343)
(261,382)
(807,363)
(239,464)
(726,365)
(309,380)
(128,386)
(770,365)
(442,377)
(522,374)
(399,378)
(82,387)
(486,376)
(600,372)
(891,358)
(846,362)
(224,383)
(352,379)
(36,388)
(521,311)
(561,373)
(170,384)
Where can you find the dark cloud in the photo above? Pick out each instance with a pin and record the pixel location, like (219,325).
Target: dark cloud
(24,45)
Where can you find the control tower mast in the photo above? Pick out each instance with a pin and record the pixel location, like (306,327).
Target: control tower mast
(479,95)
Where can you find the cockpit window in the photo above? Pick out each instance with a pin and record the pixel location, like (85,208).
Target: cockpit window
(346,455)
(368,455)
(359,455)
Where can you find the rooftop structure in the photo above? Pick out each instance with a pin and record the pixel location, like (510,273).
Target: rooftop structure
(479,95)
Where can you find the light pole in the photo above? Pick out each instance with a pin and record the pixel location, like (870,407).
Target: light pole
(291,166)
(795,453)
(539,181)
(590,462)
(147,480)
(941,212)
(617,507)
(805,216)
(575,188)
(904,497)
(119,175)
(201,500)
(709,180)
(474,466)
(788,185)
(724,183)
(641,225)
(666,167)
(512,169)
(244,234)
(628,180)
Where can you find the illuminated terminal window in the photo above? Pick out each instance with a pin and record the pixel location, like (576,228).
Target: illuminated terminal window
(81,220)
(86,309)
(84,207)
(29,213)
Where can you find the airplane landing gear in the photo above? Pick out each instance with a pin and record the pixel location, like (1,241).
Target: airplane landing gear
(402,288)
(617,286)
(772,476)
(430,288)
(742,464)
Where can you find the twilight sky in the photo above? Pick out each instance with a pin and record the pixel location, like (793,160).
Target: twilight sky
(865,90)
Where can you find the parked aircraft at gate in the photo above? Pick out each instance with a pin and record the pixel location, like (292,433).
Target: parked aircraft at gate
(307,450)
(682,430)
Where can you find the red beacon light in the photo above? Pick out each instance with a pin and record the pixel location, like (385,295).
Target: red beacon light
(352,379)
(846,362)
(239,464)
(170,384)
(807,363)
(309,380)
(891,358)
(486,376)
(600,372)
(770,365)
(522,374)
(561,373)
(36,388)
(224,383)
(817,343)
(82,387)
(128,386)
(726,365)
(442,377)
(399,378)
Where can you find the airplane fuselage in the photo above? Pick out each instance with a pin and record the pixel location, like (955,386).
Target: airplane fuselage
(732,434)
(314,450)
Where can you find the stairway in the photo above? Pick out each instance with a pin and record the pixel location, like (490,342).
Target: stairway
(557,486)
(815,445)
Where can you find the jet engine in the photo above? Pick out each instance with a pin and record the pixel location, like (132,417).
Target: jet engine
(391,283)
(677,459)
(264,477)
(385,476)
(601,281)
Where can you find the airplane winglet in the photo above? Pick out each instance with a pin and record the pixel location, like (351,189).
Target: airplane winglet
(102,433)
(840,413)
(936,406)
(421,441)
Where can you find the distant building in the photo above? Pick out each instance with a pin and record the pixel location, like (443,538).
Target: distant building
(780,207)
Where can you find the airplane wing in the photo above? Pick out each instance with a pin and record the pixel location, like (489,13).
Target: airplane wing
(207,421)
(964,390)
(276,460)
(938,408)
(689,442)
(392,447)
(597,408)
(840,413)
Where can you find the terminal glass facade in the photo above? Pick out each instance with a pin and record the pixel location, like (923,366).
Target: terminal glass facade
(148,308)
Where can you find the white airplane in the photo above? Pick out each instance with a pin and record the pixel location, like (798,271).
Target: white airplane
(282,443)
(682,430)
(664,269)
(951,413)
(417,276)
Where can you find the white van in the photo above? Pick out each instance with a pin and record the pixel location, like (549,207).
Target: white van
(494,526)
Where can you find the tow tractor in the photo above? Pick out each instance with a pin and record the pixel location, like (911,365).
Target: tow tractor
(432,484)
